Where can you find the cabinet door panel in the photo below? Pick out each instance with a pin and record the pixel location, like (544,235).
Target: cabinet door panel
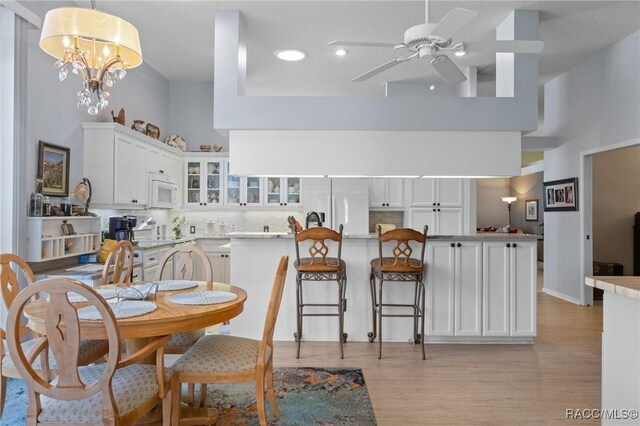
(495,291)
(253,190)
(212,182)
(440,287)
(450,192)
(193,178)
(218,264)
(450,222)
(418,218)
(291,191)
(423,192)
(523,289)
(468,289)
(395,192)
(164,165)
(123,192)
(154,160)
(140,174)
(274,190)
(377,192)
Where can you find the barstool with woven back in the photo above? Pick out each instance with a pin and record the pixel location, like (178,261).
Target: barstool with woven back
(319,267)
(399,268)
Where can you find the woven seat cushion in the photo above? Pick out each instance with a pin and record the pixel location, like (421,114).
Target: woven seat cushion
(132,386)
(87,349)
(387,265)
(220,354)
(305,264)
(187,338)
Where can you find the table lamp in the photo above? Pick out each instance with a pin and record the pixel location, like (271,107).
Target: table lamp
(509,200)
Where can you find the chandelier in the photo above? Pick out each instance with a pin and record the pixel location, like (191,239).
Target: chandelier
(94,45)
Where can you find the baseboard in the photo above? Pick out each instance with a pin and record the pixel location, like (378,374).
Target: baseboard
(554,293)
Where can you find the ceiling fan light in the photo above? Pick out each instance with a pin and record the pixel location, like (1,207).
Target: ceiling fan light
(341,52)
(432,87)
(460,53)
(290,55)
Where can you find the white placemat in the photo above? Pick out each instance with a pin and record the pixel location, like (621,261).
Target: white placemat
(121,309)
(172,285)
(107,293)
(202,297)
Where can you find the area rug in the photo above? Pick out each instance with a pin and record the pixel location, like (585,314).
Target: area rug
(306,396)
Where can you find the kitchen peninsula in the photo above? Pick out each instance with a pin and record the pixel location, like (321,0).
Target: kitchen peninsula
(480,288)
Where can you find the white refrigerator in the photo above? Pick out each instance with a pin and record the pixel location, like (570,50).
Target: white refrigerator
(341,200)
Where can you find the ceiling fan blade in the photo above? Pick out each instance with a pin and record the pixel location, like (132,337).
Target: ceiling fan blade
(453,22)
(514,46)
(449,71)
(367,75)
(360,44)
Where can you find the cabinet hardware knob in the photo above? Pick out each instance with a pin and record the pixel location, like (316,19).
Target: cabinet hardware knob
(515,245)
(434,210)
(285,204)
(152,258)
(438,209)
(434,204)
(438,203)
(453,245)
(459,245)
(508,245)
(205,204)
(161,171)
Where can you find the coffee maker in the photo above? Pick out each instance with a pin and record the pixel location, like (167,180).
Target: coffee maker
(121,228)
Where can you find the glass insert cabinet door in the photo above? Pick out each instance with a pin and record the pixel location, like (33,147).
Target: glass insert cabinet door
(253,190)
(274,196)
(193,182)
(213,182)
(292,190)
(233,187)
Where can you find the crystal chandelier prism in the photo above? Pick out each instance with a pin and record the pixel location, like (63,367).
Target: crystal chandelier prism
(94,45)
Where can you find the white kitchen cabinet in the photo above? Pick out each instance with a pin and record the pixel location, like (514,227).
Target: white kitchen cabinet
(282,191)
(242,191)
(117,161)
(219,258)
(203,181)
(509,288)
(437,192)
(441,221)
(454,288)
(386,192)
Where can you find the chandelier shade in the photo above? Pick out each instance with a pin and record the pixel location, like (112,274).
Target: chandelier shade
(93,44)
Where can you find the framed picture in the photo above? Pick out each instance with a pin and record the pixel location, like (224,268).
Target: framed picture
(53,169)
(561,195)
(531,210)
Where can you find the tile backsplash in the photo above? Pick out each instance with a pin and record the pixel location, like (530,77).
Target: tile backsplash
(394,218)
(244,220)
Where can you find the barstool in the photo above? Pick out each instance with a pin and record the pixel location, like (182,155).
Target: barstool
(319,267)
(399,268)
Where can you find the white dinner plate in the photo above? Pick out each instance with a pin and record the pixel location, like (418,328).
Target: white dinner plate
(203,297)
(107,293)
(121,309)
(173,285)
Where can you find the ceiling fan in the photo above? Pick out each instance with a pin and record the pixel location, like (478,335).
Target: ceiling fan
(433,42)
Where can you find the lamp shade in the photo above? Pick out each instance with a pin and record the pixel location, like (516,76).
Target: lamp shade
(66,26)
(509,200)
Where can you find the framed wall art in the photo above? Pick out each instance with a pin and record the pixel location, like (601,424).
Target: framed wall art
(561,195)
(53,169)
(531,210)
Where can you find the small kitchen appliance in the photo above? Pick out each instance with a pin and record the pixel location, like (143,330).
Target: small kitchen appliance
(121,228)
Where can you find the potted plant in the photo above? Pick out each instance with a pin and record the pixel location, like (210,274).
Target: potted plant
(178,221)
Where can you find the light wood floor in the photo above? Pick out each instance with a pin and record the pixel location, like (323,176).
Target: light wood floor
(478,384)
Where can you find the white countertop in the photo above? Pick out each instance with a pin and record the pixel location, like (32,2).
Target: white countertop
(474,237)
(628,286)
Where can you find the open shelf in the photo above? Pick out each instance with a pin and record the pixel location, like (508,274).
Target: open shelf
(45,240)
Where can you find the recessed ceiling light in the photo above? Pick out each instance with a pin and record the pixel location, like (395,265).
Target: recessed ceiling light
(290,54)
(341,52)
(432,87)
(460,53)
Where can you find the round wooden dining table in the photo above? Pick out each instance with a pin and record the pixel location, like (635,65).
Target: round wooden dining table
(169,318)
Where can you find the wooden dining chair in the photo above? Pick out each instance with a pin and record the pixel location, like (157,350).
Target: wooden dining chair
(184,265)
(10,266)
(121,259)
(117,392)
(230,359)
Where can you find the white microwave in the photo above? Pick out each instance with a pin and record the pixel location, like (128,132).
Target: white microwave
(163,191)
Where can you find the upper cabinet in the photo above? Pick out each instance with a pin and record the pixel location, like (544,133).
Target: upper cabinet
(437,192)
(242,191)
(282,191)
(117,161)
(386,192)
(203,179)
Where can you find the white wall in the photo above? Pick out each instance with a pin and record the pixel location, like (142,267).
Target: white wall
(191,115)
(616,199)
(53,116)
(595,104)
(528,187)
(491,210)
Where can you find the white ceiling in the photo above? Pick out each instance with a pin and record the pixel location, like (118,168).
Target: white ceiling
(177,38)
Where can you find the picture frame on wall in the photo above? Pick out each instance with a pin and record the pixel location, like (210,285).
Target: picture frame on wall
(53,169)
(561,195)
(531,210)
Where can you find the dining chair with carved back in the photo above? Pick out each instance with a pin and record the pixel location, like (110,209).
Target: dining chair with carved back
(230,359)
(116,392)
(184,265)
(121,258)
(13,267)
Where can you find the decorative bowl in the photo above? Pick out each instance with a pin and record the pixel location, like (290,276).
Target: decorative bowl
(217,147)
(205,148)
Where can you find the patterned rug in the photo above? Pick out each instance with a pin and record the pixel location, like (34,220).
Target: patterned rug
(306,396)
